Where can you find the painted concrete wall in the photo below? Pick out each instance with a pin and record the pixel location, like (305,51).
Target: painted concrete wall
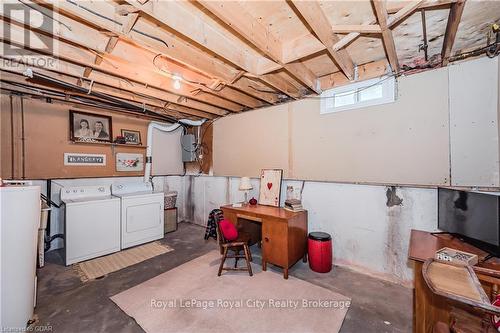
(368,235)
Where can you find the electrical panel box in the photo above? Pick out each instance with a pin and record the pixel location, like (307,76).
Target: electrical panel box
(188,148)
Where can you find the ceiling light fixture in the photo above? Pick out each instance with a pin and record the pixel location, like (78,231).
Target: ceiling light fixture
(177,82)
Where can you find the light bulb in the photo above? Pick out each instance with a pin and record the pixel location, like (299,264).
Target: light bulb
(177,84)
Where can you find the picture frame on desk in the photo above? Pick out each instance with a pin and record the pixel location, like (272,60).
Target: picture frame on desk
(270,187)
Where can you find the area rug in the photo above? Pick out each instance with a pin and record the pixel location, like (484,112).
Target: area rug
(96,268)
(192,298)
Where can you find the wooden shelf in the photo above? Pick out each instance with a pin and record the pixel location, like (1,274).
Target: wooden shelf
(109,144)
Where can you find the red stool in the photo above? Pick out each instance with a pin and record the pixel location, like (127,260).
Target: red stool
(319,247)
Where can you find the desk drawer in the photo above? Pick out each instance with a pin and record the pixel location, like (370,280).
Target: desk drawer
(274,243)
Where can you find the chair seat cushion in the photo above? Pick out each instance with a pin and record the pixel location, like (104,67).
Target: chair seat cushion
(228,230)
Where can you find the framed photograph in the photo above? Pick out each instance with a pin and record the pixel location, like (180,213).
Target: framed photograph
(131,137)
(270,187)
(129,162)
(89,127)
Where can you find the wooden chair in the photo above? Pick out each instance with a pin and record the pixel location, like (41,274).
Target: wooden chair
(236,246)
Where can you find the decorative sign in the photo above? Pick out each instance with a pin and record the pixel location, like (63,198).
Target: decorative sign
(129,162)
(76,159)
(270,187)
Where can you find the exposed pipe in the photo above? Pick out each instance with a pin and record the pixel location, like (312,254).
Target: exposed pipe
(69,98)
(425,45)
(164,128)
(33,75)
(23,141)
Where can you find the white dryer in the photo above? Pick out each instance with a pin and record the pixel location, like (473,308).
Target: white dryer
(141,213)
(92,222)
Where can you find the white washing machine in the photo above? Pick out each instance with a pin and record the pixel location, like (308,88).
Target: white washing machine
(91,222)
(141,213)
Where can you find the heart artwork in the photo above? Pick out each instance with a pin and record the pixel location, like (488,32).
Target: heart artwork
(269,185)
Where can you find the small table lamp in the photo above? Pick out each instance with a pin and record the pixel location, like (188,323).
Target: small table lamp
(245,185)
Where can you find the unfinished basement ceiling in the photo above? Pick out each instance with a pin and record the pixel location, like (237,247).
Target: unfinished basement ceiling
(231,56)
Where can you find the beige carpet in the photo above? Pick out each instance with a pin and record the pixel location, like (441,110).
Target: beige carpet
(95,268)
(191,298)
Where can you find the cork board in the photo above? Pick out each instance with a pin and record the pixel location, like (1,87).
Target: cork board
(46,131)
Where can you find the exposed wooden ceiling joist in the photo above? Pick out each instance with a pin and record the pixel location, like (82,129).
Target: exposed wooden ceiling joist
(235,16)
(9,74)
(403,13)
(83,58)
(454,17)
(312,13)
(155,79)
(395,6)
(234,55)
(389,46)
(155,40)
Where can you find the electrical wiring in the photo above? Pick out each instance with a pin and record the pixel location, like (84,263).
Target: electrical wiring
(117,22)
(456,57)
(46,15)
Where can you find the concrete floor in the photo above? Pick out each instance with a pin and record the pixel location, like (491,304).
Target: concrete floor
(67,305)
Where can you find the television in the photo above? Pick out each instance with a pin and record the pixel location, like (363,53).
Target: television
(471,215)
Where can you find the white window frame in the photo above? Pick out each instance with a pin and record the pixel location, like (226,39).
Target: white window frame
(388,95)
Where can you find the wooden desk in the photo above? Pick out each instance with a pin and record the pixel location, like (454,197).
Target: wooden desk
(284,233)
(429,308)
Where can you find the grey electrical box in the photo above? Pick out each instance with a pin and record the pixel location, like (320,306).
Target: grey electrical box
(188,148)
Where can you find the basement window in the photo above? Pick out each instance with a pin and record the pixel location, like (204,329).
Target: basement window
(358,95)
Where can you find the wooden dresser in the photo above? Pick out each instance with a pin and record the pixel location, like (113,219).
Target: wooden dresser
(284,233)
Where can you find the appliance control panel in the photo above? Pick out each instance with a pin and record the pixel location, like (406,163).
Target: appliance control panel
(81,192)
(136,187)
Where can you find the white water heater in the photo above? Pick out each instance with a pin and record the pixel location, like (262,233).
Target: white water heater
(19,222)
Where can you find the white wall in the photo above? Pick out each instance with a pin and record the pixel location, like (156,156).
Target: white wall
(474,123)
(367,234)
(440,115)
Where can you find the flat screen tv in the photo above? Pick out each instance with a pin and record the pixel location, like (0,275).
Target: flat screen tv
(472,215)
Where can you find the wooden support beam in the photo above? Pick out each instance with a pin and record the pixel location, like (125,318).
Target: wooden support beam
(131,19)
(316,19)
(247,84)
(367,71)
(279,84)
(72,54)
(99,57)
(349,38)
(403,13)
(395,6)
(235,16)
(231,96)
(387,38)
(163,42)
(176,49)
(182,18)
(361,28)
(454,18)
(132,96)
(15,76)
